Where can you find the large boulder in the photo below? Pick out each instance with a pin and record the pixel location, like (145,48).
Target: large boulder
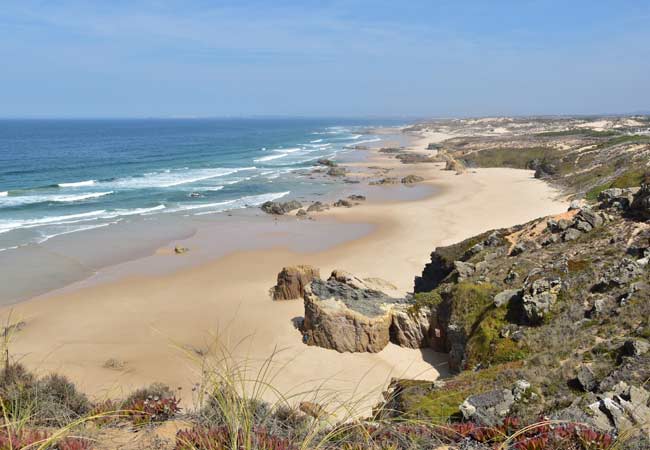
(617,197)
(538,298)
(330,323)
(410,326)
(488,408)
(280,208)
(292,282)
(346,314)
(641,203)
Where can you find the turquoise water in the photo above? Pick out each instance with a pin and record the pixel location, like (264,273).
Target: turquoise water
(59,177)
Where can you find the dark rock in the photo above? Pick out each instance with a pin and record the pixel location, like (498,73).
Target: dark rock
(301,213)
(357,197)
(280,208)
(381,181)
(518,249)
(411,179)
(489,408)
(343,203)
(635,347)
(337,171)
(179,250)
(414,158)
(585,379)
(494,240)
(617,198)
(326,162)
(317,207)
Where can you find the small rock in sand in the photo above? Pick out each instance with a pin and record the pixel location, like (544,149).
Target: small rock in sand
(180,250)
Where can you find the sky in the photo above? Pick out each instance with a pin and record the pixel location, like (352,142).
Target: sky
(409,58)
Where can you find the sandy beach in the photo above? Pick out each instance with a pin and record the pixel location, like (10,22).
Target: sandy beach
(157,325)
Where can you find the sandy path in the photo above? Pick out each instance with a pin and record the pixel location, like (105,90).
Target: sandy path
(157,325)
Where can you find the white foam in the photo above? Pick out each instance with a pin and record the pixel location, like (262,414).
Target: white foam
(4,194)
(367,141)
(316,141)
(77,183)
(271,157)
(47,237)
(172,178)
(244,202)
(32,199)
(133,212)
(215,188)
(288,150)
(8,225)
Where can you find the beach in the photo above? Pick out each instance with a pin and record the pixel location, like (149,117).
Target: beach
(160,316)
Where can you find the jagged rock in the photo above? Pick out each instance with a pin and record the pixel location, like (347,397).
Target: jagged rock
(455,165)
(337,171)
(538,298)
(623,409)
(588,215)
(505,297)
(489,408)
(617,198)
(583,226)
(585,379)
(465,270)
(518,249)
(410,328)
(343,314)
(571,235)
(494,240)
(388,180)
(317,207)
(280,208)
(343,203)
(411,179)
(326,162)
(619,275)
(641,202)
(635,347)
(520,389)
(292,282)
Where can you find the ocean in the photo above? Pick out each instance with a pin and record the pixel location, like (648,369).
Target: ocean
(68,176)
(80,195)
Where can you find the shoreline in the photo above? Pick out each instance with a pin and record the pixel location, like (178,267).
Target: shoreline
(151,317)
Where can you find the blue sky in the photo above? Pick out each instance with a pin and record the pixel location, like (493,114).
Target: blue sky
(189,58)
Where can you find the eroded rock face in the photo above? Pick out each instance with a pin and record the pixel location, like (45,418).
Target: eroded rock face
(348,314)
(331,323)
(538,298)
(292,282)
(410,327)
(489,408)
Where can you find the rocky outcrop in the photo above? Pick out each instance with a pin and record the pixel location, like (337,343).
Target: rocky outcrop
(454,165)
(337,171)
(414,158)
(538,298)
(343,318)
(410,326)
(343,203)
(317,207)
(292,282)
(348,314)
(326,162)
(488,408)
(280,208)
(412,179)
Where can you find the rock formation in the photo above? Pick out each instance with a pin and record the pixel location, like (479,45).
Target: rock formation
(292,282)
